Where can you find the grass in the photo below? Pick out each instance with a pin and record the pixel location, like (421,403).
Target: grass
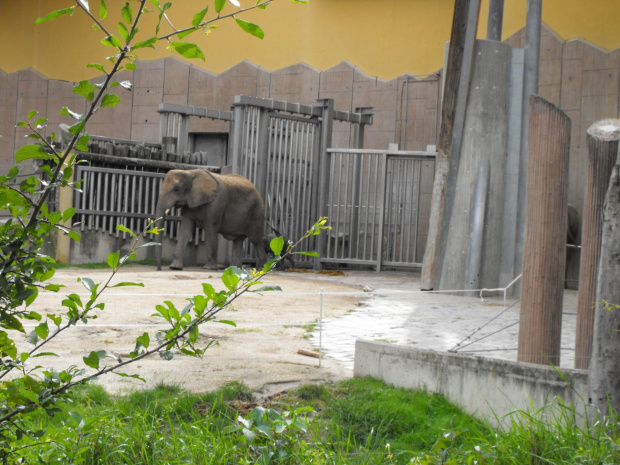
(358,421)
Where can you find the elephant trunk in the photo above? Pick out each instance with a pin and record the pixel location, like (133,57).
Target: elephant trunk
(160,216)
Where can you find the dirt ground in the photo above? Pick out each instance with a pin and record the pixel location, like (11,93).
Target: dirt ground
(261,351)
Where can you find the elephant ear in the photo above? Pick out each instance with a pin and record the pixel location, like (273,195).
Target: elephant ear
(204,189)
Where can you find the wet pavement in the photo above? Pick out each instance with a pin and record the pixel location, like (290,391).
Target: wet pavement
(396,311)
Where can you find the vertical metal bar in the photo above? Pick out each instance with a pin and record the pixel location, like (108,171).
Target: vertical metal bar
(91,199)
(331,199)
(417,216)
(79,197)
(375,208)
(141,204)
(382,199)
(338,203)
(411,199)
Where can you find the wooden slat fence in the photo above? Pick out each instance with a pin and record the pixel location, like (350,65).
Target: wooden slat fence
(110,197)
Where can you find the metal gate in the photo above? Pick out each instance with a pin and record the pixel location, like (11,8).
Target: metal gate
(278,146)
(378,207)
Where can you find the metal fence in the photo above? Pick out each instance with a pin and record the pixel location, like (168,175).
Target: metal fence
(378,207)
(377,202)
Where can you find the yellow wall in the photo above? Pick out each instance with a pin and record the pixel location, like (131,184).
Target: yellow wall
(384,39)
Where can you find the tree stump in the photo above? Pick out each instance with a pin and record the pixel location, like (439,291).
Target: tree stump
(604,373)
(544,248)
(602,139)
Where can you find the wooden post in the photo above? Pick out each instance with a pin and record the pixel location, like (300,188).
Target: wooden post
(327,129)
(602,138)
(544,250)
(604,372)
(460,58)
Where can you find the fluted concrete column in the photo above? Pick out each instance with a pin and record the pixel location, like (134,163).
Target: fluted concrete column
(604,372)
(602,139)
(544,248)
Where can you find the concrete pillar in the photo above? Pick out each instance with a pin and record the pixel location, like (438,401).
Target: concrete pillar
(484,138)
(531,66)
(604,372)
(602,139)
(544,249)
(495,20)
(511,184)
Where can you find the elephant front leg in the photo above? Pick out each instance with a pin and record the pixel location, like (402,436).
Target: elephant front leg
(187,228)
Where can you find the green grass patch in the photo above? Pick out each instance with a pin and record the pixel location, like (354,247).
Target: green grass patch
(359,421)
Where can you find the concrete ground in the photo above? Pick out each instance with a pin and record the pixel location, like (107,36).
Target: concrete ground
(263,350)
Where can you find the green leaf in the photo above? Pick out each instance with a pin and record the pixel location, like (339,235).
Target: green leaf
(126,284)
(110,100)
(125,375)
(77,128)
(31,114)
(82,143)
(124,228)
(31,151)
(112,41)
(146,43)
(72,114)
(127,13)
(144,340)
(267,288)
(75,236)
(230,279)
(131,66)
(88,283)
(227,322)
(113,259)
(198,17)
(96,66)
(92,360)
(276,245)
(103,10)
(42,330)
(219,5)
(55,14)
(187,50)
(194,333)
(309,254)
(250,28)
(123,32)
(85,89)
(184,34)
(166,354)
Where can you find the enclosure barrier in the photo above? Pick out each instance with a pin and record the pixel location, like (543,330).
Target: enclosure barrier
(378,204)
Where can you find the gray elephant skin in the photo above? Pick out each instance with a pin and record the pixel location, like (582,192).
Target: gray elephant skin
(227,204)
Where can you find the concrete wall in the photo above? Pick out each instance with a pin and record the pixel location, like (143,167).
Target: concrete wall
(486,388)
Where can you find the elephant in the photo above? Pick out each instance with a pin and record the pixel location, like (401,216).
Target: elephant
(227,204)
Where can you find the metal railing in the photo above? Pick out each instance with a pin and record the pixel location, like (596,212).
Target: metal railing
(378,206)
